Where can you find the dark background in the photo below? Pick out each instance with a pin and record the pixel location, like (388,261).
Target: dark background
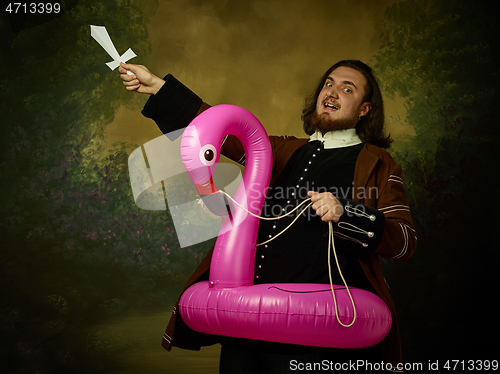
(88,280)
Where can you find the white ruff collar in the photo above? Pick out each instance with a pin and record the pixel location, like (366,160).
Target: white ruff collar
(337,139)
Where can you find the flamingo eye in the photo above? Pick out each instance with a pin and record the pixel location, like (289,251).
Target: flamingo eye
(208,154)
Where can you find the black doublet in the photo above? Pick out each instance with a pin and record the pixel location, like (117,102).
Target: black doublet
(294,257)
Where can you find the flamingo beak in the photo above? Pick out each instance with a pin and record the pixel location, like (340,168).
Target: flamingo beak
(216,202)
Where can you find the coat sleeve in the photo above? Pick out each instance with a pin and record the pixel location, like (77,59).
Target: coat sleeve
(399,240)
(174,107)
(380,223)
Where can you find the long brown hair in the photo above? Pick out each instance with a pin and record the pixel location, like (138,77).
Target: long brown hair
(370,128)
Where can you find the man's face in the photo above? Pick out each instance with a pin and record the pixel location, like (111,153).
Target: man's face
(340,103)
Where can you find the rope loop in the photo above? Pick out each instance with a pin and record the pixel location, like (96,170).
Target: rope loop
(331,244)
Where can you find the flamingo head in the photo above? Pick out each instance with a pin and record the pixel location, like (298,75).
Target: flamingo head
(200,152)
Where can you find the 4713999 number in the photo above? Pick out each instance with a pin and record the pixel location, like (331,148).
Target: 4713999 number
(32,8)
(471,365)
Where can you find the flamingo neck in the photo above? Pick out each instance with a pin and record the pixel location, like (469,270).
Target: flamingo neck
(233,258)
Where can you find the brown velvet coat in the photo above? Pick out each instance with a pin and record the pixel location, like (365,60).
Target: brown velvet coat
(378,184)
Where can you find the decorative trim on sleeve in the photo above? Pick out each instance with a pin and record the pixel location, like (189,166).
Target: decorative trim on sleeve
(168,338)
(348,226)
(361,226)
(344,236)
(242,160)
(406,233)
(393,208)
(395,178)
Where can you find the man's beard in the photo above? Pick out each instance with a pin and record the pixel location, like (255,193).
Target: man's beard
(324,124)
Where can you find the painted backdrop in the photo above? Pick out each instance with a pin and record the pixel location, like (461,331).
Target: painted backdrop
(88,280)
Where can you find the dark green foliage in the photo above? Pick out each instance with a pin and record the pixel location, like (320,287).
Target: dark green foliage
(75,250)
(440,57)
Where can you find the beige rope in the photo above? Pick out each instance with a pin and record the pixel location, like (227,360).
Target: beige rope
(331,244)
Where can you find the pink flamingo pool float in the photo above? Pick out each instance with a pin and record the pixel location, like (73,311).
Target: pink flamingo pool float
(229,303)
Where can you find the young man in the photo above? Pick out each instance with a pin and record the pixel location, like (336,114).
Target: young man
(351,181)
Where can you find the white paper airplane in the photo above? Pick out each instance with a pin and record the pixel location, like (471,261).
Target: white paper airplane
(100,34)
